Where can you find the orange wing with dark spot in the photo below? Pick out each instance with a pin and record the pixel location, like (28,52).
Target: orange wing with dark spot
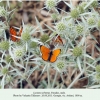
(54,55)
(45,52)
(13,33)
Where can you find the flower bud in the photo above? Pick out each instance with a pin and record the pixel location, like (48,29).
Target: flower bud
(61,27)
(79,29)
(4,70)
(97,68)
(50,4)
(44,38)
(25,37)
(74,13)
(4,45)
(60,65)
(77,51)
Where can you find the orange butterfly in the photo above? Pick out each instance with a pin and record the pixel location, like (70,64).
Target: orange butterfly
(49,55)
(13,33)
(58,39)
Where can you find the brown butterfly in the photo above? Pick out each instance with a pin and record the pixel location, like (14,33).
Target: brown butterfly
(13,34)
(57,39)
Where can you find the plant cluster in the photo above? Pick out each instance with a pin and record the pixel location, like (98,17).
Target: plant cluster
(73,32)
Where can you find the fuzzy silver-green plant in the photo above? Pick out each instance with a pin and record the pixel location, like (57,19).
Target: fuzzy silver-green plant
(79,29)
(94,3)
(81,9)
(2,11)
(73,24)
(8,58)
(74,13)
(50,4)
(77,51)
(26,37)
(91,21)
(33,44)
(19,43)
(24,50)
(54,16)
(4,45)
(4,70)
(44,38)
(98,23)
(9,79)
(97,76)
(1,32)
(83,4)
(97,68)
(60,26)
(18,53)
(60,65)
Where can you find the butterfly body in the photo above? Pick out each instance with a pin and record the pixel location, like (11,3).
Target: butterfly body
(49,55)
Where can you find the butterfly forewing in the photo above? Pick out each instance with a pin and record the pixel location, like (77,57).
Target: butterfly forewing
(45,52)
(56,52)
(54,55)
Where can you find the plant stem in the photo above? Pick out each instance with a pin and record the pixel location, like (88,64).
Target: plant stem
(85,53)
(30,84)
(21,84)
(54,79)
(48,65)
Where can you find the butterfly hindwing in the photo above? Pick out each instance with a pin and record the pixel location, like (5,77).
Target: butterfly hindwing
(54,55)
(45,52)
